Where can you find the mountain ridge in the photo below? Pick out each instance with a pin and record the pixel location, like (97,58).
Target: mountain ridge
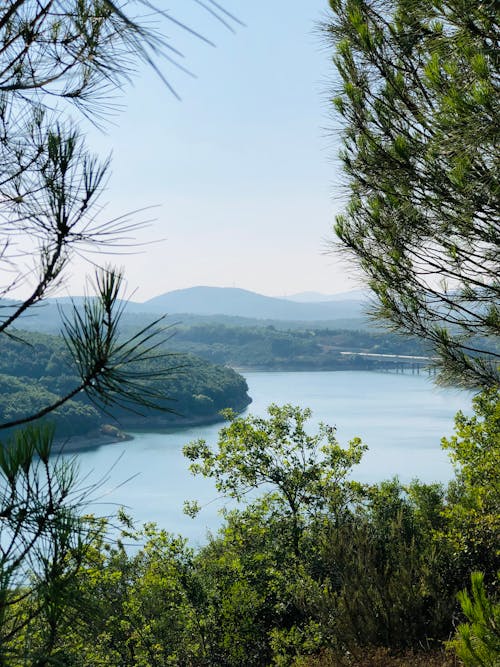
(206,302)
(234,301)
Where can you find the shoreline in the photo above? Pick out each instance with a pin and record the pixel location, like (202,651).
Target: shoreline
(73,444)
(111,435)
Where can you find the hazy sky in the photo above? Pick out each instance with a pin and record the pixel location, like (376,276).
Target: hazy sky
(243,169)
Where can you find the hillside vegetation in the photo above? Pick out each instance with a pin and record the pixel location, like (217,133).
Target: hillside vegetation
(37,370)
(271,348)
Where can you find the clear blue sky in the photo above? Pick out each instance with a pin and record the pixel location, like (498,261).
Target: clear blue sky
(243,169)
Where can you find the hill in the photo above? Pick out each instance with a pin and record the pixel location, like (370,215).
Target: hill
(224,305)
(38,371)
(243,303)
(270,348)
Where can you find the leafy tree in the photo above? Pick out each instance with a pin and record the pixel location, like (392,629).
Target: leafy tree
(308,473)
(264,563)
(418,101)
(473,509)
(366,571)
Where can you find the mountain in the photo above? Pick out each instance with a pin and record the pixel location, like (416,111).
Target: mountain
(232,306)
(232,301)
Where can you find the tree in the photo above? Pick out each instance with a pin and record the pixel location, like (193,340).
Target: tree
(477,642)
(44,536)
(57,59)
(63,61)
(304,473)
(473,510)
(418,101)
(264,564)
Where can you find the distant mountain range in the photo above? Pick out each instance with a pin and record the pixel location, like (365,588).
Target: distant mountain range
(243,303)
(216,302)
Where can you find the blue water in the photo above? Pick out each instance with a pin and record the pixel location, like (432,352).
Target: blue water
(400,417)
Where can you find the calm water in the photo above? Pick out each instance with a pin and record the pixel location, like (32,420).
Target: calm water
(400,417)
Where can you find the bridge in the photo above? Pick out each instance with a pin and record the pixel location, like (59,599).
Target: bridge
(399,362)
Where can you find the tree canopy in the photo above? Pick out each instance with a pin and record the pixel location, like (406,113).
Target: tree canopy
(418,99)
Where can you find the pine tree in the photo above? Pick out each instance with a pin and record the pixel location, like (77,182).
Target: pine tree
(418,99)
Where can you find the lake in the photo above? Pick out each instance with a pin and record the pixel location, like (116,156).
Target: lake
(401,417)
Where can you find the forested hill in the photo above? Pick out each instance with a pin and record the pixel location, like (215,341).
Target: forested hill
(38,371)
(270,348)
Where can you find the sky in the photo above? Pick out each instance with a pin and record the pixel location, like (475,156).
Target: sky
(241,172)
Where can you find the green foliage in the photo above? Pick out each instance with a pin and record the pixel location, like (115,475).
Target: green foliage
(475,449)
(29,382)
(389,579)
(477,642)
(473,510)
(44,537)
(274,348)
(418,100)
(307,473)
(125,609)
(307,563)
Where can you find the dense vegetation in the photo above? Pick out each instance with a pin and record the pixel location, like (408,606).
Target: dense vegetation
(38,370)
(319,570)
(258,344)
(272,348)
